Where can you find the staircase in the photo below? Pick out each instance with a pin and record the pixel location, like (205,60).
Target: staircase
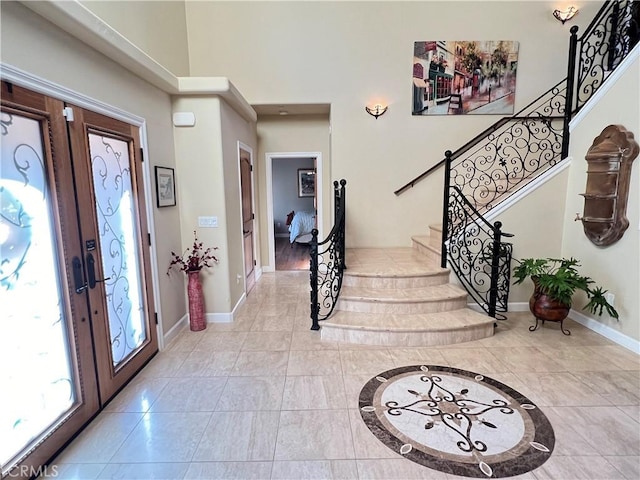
(402,297)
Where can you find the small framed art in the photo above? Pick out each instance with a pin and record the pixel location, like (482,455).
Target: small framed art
(165,187)
(306,182)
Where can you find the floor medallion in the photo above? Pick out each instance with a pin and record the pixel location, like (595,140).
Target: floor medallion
(456,421)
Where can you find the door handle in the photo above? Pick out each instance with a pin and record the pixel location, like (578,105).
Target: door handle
(78,277)
(91,271)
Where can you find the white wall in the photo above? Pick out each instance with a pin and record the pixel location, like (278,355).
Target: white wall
(285,191)
(616,267)
(328,52)
(36,46)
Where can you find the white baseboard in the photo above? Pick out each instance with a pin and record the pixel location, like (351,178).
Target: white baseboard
(593,325)
(174,331)
(227,317)
(606,331)
(258,273)
(268,269)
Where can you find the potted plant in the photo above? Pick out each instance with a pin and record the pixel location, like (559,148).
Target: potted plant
(191,262)
(555,281)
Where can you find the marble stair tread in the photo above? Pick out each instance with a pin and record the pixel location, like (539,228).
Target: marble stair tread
(421,322)
(388,258)
(433,293)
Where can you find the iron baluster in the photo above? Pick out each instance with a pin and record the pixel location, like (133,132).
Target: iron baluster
(445,210)
(328,263)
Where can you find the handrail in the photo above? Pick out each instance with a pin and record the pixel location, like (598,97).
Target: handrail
(479,137)
(330,254)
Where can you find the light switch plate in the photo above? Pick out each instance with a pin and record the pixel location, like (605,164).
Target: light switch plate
(208,222)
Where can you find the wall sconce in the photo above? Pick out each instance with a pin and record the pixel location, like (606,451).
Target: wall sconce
(565,15)
(376,110)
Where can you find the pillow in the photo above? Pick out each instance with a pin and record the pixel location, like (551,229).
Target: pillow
(290,218)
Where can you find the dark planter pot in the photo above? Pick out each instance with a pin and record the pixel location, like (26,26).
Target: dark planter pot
(545,308)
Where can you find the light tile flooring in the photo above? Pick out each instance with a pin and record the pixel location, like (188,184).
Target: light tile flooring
(265,398)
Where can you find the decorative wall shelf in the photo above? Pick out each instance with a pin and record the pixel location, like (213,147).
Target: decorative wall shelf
(609,159)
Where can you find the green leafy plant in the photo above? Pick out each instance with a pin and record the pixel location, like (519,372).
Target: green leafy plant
(559,279)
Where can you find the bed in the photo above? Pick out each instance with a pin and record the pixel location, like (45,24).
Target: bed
(300,225)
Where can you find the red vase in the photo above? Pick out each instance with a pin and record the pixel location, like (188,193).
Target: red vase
(197,318)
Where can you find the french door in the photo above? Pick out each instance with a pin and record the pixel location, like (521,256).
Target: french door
(75,316)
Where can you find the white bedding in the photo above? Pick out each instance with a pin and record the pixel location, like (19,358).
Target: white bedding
(301,226)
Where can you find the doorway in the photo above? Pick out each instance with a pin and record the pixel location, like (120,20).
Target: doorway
(73,236)
(292,208)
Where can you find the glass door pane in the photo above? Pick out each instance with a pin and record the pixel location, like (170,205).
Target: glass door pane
(37,374)
(114,197)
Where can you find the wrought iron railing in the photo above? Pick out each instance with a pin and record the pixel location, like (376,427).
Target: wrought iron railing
(513,151)
(327,263)
(608,39)
(477,254)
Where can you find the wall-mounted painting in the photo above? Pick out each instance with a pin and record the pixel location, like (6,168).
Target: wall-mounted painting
(306,182)
(458,77)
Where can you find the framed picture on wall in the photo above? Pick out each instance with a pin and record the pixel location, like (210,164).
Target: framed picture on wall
(165,187)
(306,182)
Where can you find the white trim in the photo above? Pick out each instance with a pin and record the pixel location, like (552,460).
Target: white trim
(175,331)
(606,86)
(319,197)
(268,268)
(533,185)
(40,85)
(219,317)
(80,22)
(606,331)
(46,87)
(222,87)
(593,325)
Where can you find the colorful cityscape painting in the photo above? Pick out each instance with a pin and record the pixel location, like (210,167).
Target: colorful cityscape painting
(464,77)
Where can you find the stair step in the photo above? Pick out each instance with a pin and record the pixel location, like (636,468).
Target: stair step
(436,298)
(412,276)
(421,243)
(442,328)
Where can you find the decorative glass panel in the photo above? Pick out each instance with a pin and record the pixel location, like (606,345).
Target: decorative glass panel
(36,373)
(117,225)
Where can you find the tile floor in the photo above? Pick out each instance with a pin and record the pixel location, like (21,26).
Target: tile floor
(265,398)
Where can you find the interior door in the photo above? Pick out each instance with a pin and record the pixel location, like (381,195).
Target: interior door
(247,217)
(47,368)
(109,188)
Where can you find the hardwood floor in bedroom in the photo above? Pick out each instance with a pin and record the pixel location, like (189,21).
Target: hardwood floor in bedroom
(291,257)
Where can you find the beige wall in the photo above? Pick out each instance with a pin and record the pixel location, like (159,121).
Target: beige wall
(209,185)
(158,28)
(37,47)
(536,223)
(328,52)
(289,134)
(236,129)
(201,191)
(617,267)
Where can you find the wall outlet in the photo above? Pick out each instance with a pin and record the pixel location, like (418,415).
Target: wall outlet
(208,222)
